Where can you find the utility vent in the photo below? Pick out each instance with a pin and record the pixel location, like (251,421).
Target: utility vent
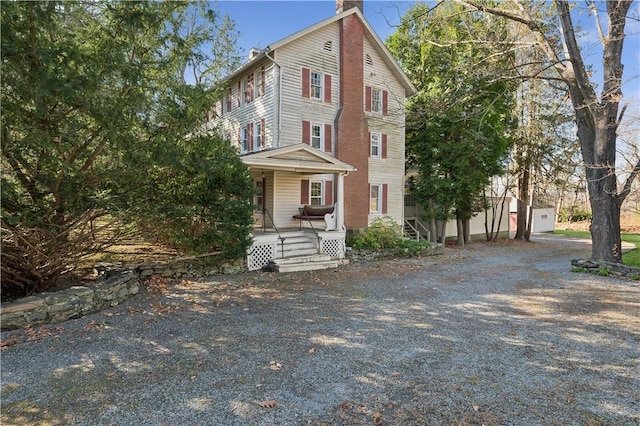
(368,59)
(328,46)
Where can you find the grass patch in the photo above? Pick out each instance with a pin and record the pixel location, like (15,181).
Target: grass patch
(630,258)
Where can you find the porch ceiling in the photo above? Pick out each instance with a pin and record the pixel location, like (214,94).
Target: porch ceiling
(300,158)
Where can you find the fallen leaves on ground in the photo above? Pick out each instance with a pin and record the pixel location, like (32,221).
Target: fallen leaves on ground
(268,404)
(157,284)
(93,326)
(31,334)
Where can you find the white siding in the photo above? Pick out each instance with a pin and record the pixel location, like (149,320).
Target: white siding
(388,170)
(287,201)
(476,223)
(308,51)
(263,107)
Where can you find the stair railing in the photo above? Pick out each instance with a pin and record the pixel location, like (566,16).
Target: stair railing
(265,214)
(407,223)
(421,225)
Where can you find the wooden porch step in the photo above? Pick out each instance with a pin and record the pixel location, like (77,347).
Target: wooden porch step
(305,263)
(303,259)
(307,266)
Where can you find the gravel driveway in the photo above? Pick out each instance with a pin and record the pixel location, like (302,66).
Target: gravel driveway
(493,334)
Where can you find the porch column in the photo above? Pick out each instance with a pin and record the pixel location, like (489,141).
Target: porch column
(340,203)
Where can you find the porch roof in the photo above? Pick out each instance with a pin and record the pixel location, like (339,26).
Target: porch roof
(299,158)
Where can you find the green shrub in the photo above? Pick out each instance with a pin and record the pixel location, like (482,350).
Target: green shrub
(574,214)
(384,233)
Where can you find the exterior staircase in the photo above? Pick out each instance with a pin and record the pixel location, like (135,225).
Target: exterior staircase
(300,253)
(410,231)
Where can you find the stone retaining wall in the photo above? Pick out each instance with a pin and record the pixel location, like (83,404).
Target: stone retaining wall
(70,303)
(115,284)
(606,268)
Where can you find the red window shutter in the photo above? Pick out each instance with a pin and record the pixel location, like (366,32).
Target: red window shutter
(328,192)
(262,132)
(385,191)
(306,82)
(262,82)
(367,105)
(239,93)
(327,88)
(304,191)
(250,137)
(385,102)
(306,132)
(369,144)
(384,146)
(327,138)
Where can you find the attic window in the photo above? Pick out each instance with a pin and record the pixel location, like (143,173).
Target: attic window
(328,46)
(368,59)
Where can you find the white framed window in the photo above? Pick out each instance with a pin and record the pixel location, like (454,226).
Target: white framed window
(227,100)
(243,91)
(376,100)
(375,199)
(316,85)
(259,197)
(317,136)
(259,88)
(258,135)
(316,192)
(243,140)
(376,145)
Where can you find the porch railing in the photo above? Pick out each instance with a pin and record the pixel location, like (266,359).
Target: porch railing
(266,213)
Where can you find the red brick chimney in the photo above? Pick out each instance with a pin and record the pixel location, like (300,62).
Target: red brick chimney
(352,144)
(342,5)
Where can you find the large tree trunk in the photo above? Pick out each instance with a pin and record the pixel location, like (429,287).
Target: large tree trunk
(523,199)
(597,123)
(460,229)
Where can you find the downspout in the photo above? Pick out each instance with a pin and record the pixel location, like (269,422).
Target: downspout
(279,94)
(339,191)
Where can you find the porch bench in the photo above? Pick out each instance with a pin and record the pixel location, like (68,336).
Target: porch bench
(314,213)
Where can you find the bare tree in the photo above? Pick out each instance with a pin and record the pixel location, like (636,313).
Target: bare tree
(597,117)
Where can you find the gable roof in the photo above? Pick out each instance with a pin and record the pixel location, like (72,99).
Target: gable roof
(300,158)
(386,55)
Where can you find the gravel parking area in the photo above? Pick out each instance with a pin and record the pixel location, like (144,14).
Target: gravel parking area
(493,334)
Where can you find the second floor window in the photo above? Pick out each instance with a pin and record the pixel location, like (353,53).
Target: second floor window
(244,136)
(316,85)
(259,135)
(316,135)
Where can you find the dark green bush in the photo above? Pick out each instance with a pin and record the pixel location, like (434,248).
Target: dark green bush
(574,214)
(384,233)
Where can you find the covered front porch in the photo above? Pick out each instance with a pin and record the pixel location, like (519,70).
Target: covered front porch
(299,213)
